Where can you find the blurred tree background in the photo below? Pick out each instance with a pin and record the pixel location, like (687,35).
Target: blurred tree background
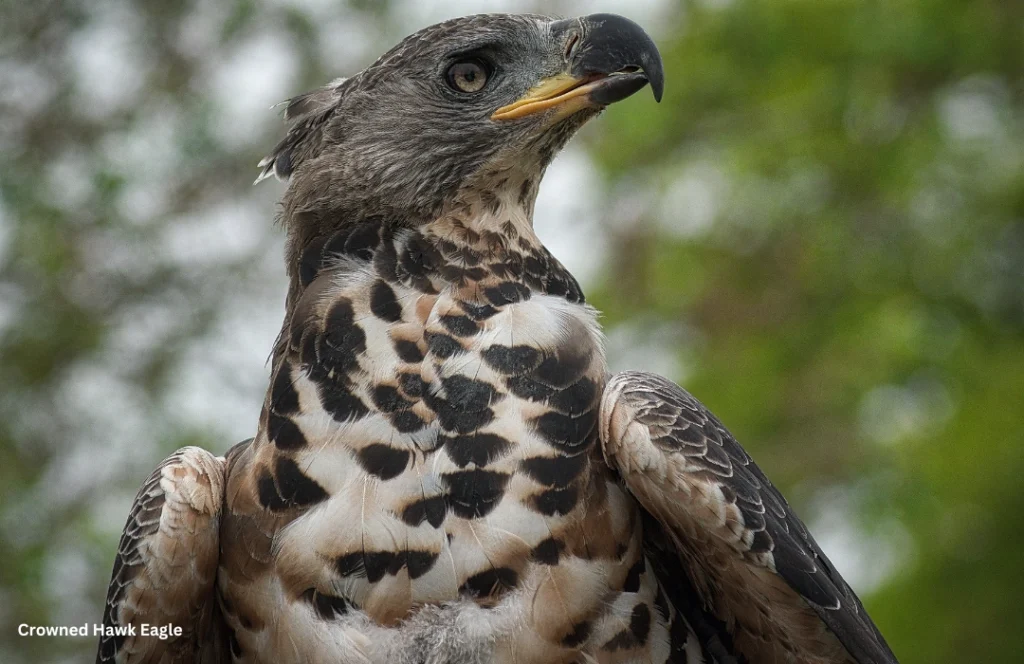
(819,232)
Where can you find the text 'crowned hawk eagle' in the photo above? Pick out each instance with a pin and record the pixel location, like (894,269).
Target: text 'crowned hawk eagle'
(444,470)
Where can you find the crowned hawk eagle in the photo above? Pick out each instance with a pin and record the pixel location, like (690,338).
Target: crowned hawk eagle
(444,471)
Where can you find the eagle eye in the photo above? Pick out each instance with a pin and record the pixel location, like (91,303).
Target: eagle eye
(468,75)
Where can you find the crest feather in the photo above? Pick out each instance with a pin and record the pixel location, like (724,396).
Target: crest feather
(305,115)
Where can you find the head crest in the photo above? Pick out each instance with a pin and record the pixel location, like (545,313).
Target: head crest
(306,115)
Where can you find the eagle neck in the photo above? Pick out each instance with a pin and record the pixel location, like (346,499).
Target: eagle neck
(493,215)
(489,238)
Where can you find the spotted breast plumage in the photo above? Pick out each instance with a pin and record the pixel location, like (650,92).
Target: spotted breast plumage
(443,470)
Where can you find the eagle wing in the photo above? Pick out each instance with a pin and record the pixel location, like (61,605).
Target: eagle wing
(166,565)
(746,569)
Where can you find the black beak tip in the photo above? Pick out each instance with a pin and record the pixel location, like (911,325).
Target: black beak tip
(617,43)
(656,77)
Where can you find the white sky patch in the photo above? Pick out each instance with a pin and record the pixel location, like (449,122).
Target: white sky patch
(311,8)
(646,346)
(224,232)
(865,559)
(692,200)
(891,414)
(110,67)
(148,154)
(111,254)
(347,42)
(650,14)
(114,426)
(416,14)
(139,330)
(199,32)
(211,393)
(143,201)
(629,203)
(68,576)
(26,86)
(975,109)
(937,211)
(221,382)
(69,179)
(567,217)
(108,510)
(259,73)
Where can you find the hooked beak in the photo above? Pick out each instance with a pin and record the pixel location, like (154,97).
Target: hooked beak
(610,58)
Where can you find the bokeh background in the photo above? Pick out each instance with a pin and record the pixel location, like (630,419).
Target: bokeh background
(819,232)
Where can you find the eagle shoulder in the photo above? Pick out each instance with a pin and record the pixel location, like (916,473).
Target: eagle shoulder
(750,559)
(166,564)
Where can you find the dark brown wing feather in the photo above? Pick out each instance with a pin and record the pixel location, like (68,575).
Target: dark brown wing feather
(730,526)
(166,565)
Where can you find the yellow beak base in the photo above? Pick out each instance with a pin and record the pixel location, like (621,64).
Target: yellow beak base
(550,92)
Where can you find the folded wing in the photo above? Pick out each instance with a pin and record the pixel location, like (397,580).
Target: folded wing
(166,565)
(746,565)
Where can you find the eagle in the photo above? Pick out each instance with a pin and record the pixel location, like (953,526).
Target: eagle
(444,471)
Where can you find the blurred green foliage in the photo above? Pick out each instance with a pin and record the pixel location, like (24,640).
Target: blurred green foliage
(823,221)
(855,313)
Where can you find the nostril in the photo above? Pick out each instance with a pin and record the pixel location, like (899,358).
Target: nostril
(570,46)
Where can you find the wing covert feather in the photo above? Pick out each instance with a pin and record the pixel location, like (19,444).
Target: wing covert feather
(747,555)
(166,564)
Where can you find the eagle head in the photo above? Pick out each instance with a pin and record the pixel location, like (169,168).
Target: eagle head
(482,101)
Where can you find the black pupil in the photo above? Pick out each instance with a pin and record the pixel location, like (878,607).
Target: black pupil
(468,76)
